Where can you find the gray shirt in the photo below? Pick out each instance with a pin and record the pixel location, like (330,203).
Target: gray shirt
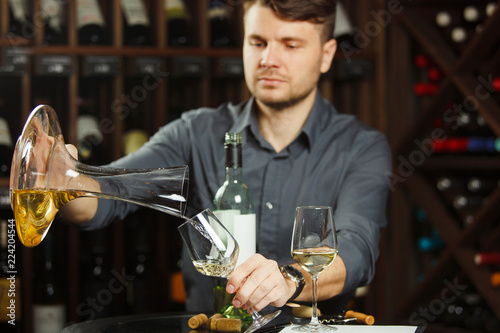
(335,160)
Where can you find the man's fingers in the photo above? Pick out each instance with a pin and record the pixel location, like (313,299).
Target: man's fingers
(72,150)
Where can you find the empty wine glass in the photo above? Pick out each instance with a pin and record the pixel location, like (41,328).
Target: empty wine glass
(314,247)
(214,252)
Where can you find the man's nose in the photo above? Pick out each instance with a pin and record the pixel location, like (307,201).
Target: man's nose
(270,57)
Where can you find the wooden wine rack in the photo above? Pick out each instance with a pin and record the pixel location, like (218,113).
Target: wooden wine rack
(414,28)
(20,92)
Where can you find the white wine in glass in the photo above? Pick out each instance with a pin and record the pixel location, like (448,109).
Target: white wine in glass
(214,252)
(314,248)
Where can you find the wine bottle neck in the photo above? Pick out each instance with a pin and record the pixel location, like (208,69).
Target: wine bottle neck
(234,174)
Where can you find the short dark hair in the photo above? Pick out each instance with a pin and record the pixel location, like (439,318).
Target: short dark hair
(315,11)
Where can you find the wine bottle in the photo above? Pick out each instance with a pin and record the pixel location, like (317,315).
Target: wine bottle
(135,135)
(496,83)
(481,185)
(218,17)
(177,23)
(49,310)
(136,23)
(495,279)
(490,8)
(89,138)
(344,31)
(487,258)
(431,243)
(234,207)
(90,23)
(20,24)
(233,202)
(141,297)
(446,183)
(96,272)
(467,145)
(425,89)
(6,150)
(55,22)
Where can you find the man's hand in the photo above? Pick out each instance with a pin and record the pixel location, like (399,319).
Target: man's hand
(258,282)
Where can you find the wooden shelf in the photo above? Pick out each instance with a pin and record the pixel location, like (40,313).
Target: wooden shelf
(461,77)
(363,97)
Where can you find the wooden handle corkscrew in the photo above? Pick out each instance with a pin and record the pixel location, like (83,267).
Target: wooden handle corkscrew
(360,317)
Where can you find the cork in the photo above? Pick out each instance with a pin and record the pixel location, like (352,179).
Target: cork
(197,320)
(209,321)
(226,325)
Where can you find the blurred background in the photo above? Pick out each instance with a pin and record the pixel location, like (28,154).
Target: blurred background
(425,73)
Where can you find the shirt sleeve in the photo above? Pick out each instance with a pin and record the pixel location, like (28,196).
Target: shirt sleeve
(361,207)
(167,148)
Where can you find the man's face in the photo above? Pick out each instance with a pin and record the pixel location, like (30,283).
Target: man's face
(283,59)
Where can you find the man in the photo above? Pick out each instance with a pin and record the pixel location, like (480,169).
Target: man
(298,150)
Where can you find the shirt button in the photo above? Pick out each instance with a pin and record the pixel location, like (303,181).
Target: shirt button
(269,205)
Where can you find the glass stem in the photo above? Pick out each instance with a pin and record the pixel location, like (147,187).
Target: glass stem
(314,318)
(255,314)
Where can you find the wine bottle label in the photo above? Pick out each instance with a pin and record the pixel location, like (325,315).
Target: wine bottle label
(343,26)
(5,139)
(49,318)
(135,12)
(217,10)
(52,11)
(88,127)
(133,140)
(243,228)
(89,13)
(19,9)
(175,9)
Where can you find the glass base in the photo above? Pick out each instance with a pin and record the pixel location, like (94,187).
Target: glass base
(262,321)
(314,328)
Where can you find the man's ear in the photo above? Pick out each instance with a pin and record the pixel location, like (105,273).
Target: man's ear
(329,49)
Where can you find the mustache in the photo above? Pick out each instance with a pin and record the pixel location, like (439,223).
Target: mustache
(270,73)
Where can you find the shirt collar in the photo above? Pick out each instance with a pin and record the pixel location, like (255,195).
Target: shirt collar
(317,119)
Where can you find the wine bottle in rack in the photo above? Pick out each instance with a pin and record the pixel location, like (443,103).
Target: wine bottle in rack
(97,269)
(6,150)
(90,22)
(55,22)
(449,183)
(430,243)
(344,31)
(49,308)
(137,27)
(20,23)
(218,16)
(177,17)
(490,8)
(482,185)
(234,206)
(490,258)
(89,136)
(135,135)
(495,279)
(425,88)
(140,264)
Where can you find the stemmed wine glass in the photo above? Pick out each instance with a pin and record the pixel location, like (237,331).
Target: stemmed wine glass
(314,247)
(214,252)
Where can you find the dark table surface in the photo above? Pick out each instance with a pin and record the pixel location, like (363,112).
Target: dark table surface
(161,322)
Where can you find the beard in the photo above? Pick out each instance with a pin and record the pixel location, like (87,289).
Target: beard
(280,105)
(292,98)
